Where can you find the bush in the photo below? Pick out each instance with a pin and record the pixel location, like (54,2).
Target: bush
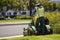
(56,30)
(23,17)
(54,20)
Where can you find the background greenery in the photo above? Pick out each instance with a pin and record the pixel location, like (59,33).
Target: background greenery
(19,4)
(54,20)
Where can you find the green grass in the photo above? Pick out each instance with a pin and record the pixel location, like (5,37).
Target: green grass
(22,18)
(44,37)
(16,20)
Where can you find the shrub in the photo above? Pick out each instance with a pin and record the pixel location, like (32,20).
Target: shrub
(23,17)
(54,19)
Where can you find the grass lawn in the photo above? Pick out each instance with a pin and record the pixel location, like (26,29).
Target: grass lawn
(22,18)
(16,20)
(44,37)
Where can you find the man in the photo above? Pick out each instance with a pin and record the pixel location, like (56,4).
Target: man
(39,12)
(40,24)
(39,18)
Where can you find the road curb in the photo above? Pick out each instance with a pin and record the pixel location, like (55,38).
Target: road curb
(8,24)
(11,37)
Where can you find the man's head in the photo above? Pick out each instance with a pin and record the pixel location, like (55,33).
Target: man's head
(38,5)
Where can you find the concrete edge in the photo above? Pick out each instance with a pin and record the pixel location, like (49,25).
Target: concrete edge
(14,24)
(11,37)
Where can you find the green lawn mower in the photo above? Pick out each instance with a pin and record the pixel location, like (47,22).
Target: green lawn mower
(42,30)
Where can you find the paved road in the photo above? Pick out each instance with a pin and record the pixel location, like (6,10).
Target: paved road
(12,30)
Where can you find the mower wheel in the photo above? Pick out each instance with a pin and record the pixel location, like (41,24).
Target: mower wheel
(24,32)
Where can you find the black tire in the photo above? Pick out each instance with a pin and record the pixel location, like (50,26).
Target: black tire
(24,29)
(51,31)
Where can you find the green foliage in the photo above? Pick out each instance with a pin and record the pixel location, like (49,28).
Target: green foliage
(54,20)
(58,6)
(19,4)
(23,17)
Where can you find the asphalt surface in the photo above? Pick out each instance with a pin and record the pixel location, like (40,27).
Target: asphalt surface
(12,30)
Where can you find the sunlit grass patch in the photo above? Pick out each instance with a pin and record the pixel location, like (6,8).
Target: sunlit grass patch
(40,37)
